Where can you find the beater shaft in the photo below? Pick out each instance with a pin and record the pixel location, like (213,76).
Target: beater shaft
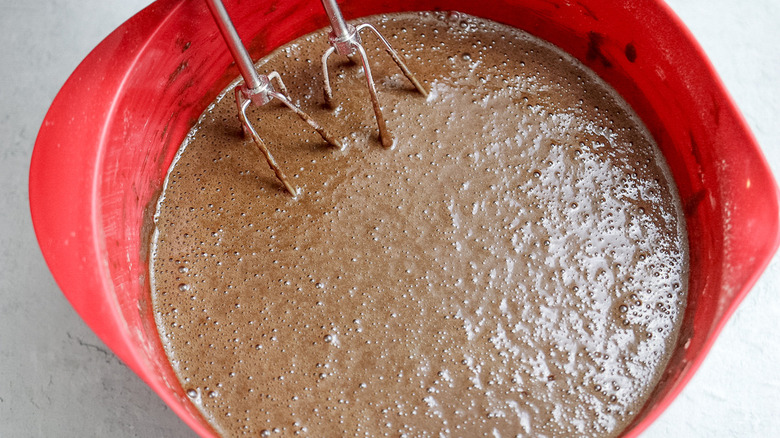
(236,47)
(340,27)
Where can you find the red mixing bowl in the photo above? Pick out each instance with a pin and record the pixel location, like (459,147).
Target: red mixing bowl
(114,128)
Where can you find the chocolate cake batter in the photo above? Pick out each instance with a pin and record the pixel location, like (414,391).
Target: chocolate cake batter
(514,266)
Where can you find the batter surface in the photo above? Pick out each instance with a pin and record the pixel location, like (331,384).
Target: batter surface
(514,266)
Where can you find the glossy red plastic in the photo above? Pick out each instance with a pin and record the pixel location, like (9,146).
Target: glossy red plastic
(112,131)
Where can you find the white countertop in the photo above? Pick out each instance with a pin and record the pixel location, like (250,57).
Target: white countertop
(58,380)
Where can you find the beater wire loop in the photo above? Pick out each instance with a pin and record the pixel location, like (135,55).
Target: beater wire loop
(259,90)
(345,40)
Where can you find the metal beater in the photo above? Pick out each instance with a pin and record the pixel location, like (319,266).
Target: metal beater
(345,40)
(259,90)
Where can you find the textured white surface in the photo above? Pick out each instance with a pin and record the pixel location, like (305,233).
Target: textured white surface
(58,380)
